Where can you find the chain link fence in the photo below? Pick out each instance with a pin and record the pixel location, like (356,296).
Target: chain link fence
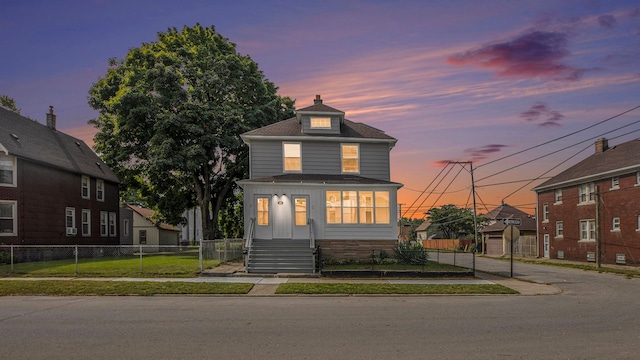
(117,260)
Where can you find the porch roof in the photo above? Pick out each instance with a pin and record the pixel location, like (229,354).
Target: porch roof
(321,179)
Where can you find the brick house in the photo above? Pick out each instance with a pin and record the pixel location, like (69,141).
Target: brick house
(593,208)
(54,190)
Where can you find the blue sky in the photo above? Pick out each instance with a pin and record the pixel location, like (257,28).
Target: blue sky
(451,80)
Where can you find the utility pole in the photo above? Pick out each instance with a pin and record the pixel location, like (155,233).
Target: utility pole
(473,192)
(597,228)
(400,227)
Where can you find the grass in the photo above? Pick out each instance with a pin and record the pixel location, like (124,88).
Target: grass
(429,266)
(152,266)
(413,289)
(120,288)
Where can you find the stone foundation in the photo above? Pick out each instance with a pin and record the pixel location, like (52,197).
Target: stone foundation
(354,249)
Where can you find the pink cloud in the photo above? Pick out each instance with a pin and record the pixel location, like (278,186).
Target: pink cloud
(484,151)
(537,54)
(540,111)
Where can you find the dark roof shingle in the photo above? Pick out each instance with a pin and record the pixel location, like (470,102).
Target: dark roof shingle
(291,127)
(322,179)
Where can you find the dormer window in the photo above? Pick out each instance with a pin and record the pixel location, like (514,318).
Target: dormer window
(320,122)
(350,158)
(292,157)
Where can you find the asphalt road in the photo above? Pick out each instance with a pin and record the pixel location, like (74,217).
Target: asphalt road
(595,317)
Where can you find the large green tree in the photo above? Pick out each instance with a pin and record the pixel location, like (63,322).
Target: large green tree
(454,222)
(170,117)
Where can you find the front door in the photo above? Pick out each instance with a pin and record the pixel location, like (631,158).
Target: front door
(282,217)
(546,245)
(301,217)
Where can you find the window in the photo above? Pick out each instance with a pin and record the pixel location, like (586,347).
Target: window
(100,189)
(320,122)
(637,177)
(112,224)
(559,229)
(350,158)
(7,170)
(558,196)
(586,193)
(86,222)
(357,207)
(588,230)
(615,182)
(263,211)
(71,221)
(615,224)
(545,212)
(86,184)
(125,227)
(142,236)
(638,223)
(301,211)
(292,157)
(8,218)
(103,223)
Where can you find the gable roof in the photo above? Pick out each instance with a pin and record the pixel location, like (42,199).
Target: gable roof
(506,211)
(424,226)
(291,127)
(616,160)
(148,214)
(319,108)
(28,139)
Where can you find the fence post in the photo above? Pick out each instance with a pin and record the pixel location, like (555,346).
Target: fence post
(226,244)
(12,259)
(75,252)
(454,258)
(140,258)
(200,255)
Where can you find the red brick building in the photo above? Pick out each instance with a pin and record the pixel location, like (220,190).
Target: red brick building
(54,190)
(592,209)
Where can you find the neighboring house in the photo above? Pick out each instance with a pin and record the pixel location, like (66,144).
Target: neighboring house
(54,190)
(598,198)
(126,226)
(492,234)
(422,232)
(147,231)
(191,231)
(318,179)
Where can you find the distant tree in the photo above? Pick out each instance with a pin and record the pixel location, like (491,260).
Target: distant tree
(9,103)
(170,115)
(454,222)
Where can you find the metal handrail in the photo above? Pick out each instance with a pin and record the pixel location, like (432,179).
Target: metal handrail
(312,244)
(249,242)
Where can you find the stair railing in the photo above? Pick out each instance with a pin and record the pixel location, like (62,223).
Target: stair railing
(312,243)
(249,242)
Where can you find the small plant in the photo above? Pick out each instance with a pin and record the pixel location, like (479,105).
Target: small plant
(5,257)
(410,253)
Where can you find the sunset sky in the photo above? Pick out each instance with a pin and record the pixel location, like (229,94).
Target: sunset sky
(451,80)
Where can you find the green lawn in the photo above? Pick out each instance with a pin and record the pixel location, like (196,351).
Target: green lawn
(152,266)
(351,289)
(96,287)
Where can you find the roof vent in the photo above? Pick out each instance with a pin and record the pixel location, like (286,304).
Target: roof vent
(14,136)
(78,143)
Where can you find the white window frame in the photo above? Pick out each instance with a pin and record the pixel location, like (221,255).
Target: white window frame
(125,227)
(615,224)
(288,145)
(99,189)
(586,193)
(86,220)
(264,210)
(615,182)
(587,230)
(85,187)
(70,214)
(558,196)
(545,212)
(638,223)
(321,122)
(559,229)
(637,178)
(336,210)
(104,229)
(14,170)
(113,227)
(343,159)
(14,217)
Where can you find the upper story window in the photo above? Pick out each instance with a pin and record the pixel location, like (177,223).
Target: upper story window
(7,170)
(638,178)
(86,187)
(350,158)
(615,182)
(545,212)
(586,193)
(292,157)
(100,190)
(558,196)
(8,218)
(615,224)
(320,122)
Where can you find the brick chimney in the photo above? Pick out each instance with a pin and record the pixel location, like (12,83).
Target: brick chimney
(317,101)
(602,145)
(51,118)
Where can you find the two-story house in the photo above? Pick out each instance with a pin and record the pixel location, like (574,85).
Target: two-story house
(54,190)
(593,208)
(317,180)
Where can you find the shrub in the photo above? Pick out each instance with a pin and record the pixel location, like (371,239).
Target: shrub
(410,253)
(5,257)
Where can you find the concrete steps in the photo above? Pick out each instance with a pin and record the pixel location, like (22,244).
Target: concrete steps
(270,256)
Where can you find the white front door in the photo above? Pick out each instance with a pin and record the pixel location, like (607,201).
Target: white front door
(282,214)
(546,246)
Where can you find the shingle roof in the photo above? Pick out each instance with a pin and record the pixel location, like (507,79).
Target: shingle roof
(322,179)
(28,139)
(320,108)
(506,211)
(148,214)
(623,156)
(291,127)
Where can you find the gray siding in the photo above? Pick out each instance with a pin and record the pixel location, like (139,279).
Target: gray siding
(320,157)
(306,125)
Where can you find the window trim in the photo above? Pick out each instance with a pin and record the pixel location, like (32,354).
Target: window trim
(588,223)
(297,212)
(100,190)
(71,215)
(545,212)
(284,157)
(557,197)
(104,224)
(14,171)
(125,227)
(615,183)
(342,158)
(615,224)
(113,224)
(587,191)
(266,210)
(87,222)
(338,208)
(559,229)
(14,217)
(324,118)
(86,187)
